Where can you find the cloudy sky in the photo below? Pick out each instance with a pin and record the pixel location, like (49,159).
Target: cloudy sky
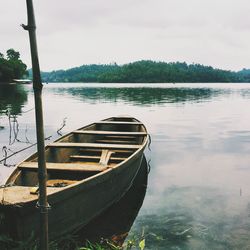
(72,33)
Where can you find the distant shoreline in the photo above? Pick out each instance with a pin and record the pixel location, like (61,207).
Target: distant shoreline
(146,72)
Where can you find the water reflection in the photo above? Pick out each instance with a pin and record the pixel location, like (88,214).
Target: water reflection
(118,219)
(198,193)
(12,97)
(115,223)
(141,95)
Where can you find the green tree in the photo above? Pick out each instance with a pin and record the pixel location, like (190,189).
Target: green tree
(12,67)
(12,54)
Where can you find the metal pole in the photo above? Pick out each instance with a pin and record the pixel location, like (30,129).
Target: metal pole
(37,86)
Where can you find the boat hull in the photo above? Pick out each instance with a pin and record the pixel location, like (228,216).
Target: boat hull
(74,207)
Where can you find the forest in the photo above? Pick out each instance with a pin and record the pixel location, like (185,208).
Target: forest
(146,72)
(12,66)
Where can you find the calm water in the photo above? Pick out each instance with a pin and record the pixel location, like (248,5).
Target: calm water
(198,194)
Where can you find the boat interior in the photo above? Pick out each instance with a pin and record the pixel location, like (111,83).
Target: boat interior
(84,153)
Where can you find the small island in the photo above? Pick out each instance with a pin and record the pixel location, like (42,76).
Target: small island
(146,71)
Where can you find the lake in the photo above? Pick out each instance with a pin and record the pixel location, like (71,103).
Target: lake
(198,192)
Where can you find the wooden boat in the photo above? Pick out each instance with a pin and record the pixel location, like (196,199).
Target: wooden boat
(88,170)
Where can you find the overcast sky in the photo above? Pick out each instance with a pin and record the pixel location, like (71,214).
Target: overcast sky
(76,32)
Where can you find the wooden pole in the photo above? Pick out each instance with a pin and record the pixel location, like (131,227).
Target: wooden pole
(37,86)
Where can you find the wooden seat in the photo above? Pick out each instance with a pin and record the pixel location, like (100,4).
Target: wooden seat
(121,137)
(97,150)
(92,145)
(103,132)
(103,158)
(118,123)
(112,141)
(93,157)
(79,167)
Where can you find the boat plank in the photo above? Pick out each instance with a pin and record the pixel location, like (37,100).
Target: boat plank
(96,150)
(121,137)
(83,157)
(92,145)
(82,167)
(103,132)
(107,140)
(119,123)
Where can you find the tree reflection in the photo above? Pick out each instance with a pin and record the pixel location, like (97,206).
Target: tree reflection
(12,98)
(141,95)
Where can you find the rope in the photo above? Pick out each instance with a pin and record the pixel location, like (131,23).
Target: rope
(63,125)
(149,166)
(149,143)
(4,150)
(26,111)
(149,148)
(5,158)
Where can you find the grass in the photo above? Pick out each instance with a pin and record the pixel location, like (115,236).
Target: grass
(70,243)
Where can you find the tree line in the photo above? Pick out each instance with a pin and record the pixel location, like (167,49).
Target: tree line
(146,72)
(85,73)
(12,66)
